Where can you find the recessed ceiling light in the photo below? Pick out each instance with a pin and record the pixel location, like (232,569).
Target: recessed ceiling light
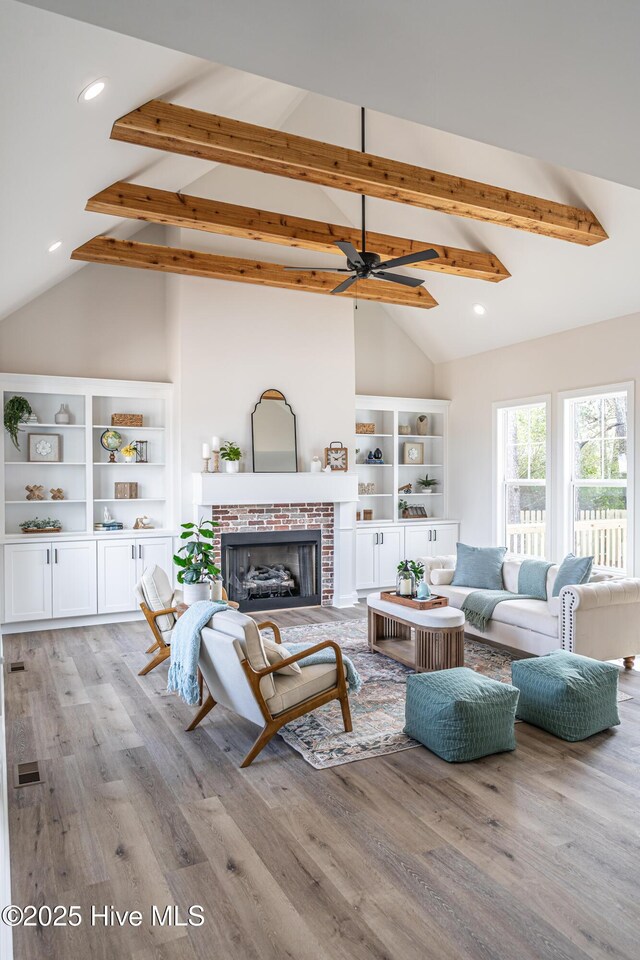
(54,246)
(93,90)
(479,309)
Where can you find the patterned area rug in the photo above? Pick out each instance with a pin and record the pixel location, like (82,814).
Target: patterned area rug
(378,710)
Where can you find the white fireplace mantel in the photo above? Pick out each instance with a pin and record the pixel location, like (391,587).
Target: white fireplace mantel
(220,489)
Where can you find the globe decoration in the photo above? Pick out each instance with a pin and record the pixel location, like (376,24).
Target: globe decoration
(111,440)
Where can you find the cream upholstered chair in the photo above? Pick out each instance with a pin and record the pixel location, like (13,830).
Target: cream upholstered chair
(158,601)
(249,676)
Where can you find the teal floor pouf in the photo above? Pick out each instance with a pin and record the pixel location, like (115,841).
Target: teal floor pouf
(571,696)
(460,714)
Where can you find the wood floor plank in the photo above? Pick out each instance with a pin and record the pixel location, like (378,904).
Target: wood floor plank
(532,854)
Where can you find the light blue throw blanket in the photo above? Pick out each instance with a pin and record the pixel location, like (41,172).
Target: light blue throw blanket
(478,606)
(328,655)
(185,649)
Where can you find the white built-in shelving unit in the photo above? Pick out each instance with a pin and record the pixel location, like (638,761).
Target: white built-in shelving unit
(83,573)
(389,414)
(84,472)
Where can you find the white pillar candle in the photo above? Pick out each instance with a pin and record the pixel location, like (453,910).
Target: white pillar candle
(206,451)
(215,443)
(216,590)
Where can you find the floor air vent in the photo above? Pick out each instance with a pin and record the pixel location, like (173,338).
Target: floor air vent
(27,773)
(16,666)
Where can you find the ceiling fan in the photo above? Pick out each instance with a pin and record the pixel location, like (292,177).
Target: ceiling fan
(364,265)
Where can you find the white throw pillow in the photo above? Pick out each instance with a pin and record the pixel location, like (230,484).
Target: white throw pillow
(441,578)
(275,653)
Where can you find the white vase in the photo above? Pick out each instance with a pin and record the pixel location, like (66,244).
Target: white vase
(232,466)
(192,592)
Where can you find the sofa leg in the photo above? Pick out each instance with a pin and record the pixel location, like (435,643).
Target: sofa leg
(629,662)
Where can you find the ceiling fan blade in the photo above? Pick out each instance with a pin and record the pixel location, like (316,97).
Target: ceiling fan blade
(321,269)
(344,285)
(350,252)
(398,278)
(410,258)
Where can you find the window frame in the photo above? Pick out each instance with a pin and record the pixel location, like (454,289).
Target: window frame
(499,483)
(568,482)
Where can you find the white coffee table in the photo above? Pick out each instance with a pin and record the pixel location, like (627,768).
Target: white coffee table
(422,639)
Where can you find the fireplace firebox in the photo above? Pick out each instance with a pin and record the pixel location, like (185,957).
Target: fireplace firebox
(267,571)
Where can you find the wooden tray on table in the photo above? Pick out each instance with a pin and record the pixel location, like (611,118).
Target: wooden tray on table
(433,601)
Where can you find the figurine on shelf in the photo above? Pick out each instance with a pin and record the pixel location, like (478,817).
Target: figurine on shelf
(106,516)
(35,491)
(57,493)
(143,523)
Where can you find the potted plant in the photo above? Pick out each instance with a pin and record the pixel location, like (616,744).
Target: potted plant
(195,560)
(17,410)
(231,453)
(402,506)
(46,525)
(427,483)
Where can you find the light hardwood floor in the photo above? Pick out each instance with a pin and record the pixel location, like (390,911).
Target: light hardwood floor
(531,855)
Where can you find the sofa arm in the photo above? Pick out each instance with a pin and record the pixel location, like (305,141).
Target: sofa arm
(601,619)
(437,563)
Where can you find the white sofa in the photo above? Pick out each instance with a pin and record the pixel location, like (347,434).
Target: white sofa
(599,619)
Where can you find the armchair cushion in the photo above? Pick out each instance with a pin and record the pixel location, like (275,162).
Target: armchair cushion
(290,691)
(158,595)
(276,652)
(245,630)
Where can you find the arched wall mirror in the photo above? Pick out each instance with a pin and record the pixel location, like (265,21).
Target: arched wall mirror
(273,432)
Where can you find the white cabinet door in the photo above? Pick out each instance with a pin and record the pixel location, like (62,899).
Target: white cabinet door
(157,550)
(418,542)
(367,559)
(74,579)
(445,537)
(117,568)
(27,581)
(390,552)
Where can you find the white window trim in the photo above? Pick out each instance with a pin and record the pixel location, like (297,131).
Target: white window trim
(565,460)
(498,504)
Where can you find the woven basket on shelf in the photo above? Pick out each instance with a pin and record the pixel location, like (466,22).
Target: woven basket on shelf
(126,419)
(365,428)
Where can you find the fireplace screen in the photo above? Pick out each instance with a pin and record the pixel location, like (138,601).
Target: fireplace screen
(263,571)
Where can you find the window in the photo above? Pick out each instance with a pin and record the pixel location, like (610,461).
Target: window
(522,477)
(598,462)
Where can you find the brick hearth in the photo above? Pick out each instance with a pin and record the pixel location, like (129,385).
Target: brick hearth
(263,518)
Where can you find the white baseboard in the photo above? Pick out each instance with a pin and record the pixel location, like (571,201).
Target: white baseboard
(30,626)
(6,934)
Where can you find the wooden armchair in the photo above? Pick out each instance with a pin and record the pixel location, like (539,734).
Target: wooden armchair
(234,663)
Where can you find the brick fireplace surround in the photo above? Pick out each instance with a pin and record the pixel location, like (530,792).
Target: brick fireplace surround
(265,518)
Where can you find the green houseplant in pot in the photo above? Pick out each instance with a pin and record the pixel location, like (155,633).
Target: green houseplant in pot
(17,410)
(427,483)
(231,453)
(194,560)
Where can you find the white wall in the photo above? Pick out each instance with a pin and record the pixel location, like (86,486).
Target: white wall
(592,356)
(388,362)
(100,322)
(237,340)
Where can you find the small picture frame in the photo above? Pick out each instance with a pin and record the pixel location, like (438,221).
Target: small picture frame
(45,447)
(413,452)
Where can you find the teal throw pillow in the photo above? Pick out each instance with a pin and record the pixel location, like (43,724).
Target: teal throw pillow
(479,567)
(572,570)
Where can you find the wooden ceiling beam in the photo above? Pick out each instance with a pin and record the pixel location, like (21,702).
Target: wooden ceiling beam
(177,129)
(196,213)
(193,263)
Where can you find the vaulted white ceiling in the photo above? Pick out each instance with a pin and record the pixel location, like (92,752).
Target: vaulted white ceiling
(57,153)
